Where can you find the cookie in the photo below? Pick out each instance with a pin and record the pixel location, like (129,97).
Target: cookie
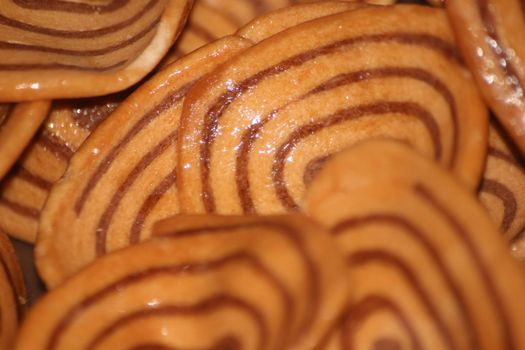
(206,282)
(503,187)
(122,179)
(428,267)
(490,34)
(24,190)
(70,49)
(18,124)
(12,292)
(250,129)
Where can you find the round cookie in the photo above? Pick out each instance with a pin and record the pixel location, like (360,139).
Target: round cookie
(12,293)
(24,190)
(252,128)
(122,179)
(429,270)
(205,282)
(18,124)
(502,190)
(64,49)
(490,34)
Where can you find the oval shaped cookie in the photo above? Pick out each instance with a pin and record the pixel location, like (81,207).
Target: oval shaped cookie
(18,124)
(64,49)
(122,179)
(490,34)
(429,269)
(24,190)
(251,130)
(502,190)
(208,282)
(12,293)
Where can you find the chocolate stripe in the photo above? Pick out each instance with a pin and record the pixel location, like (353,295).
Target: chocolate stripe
(149,204)
(35,180)
(151,273)
(20,209)
(68,6)
(224,13)
(365,309)
(493,39)
(107,216)
(167,102)
(55,145)
(507,157)
(346,226)
(288,232)
(219,106)
(341,116)
(225,343)
(203,307)
(506,196)
(35,66)
(96,52)
(373,256)
(78,34)
(428,197)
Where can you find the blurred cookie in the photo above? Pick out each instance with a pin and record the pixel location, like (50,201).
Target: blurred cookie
(428,268)
(206,282)
(251,129)
(64,49)
(122,179)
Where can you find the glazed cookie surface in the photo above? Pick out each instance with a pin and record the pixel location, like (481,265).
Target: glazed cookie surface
(64,49)
(205,282)
(429,269)
(252,130)
(122,179)
(490,34)
(24,190)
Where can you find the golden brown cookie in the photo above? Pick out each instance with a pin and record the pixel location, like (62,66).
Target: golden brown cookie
(428,267)
(122,179)
(12,293)
(24,190)
(208,282)
(18,124)
(252,128)
(490,34)
(502,189)
(65,49)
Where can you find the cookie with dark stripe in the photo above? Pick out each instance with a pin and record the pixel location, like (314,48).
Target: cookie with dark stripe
(252,127)
(429,268)
(490,34)
(18,124)
(205,283)
(24,190)
(122,179)
(12,293)
(502,189)
(62,49)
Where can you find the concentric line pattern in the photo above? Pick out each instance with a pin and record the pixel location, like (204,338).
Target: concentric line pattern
(502,189)
(24,190)
(12,290)
(18,124)
(94,49)
(490,34)
(122,179)
(429,268)
(243,283)
(251,128)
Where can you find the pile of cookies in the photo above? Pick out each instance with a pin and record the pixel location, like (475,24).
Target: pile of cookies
(233,174)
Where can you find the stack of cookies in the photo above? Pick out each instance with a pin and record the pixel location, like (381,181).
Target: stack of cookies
(271,174)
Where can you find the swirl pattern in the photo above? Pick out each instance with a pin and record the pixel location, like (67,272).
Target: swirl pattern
(122,179)
(430,270)
(110,45)
(25,189)
(252,126)
(203,282)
